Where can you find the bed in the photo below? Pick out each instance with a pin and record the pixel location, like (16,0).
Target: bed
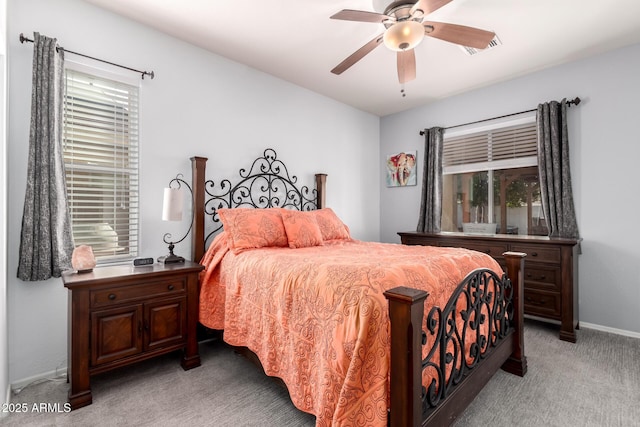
(361,333)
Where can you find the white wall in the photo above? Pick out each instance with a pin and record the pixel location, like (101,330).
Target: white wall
(198,104)
(604,147)
(4,351)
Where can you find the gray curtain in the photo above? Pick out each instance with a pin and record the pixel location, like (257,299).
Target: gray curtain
(555,173)
(46,242)
(431,204)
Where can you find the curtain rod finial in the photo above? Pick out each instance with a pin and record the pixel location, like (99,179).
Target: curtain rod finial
(574,101)
(22,38)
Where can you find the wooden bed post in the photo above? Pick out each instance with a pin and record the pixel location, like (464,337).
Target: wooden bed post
(198,168)
(406,311)
(321,184)
(517,362)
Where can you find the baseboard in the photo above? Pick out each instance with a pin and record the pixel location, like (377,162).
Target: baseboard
(586,325)
(57,374)
(623,332)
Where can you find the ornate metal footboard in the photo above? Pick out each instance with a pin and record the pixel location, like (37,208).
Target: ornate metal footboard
(477,332)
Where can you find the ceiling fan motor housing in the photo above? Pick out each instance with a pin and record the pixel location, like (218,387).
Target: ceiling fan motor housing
(383,6)
(402,11)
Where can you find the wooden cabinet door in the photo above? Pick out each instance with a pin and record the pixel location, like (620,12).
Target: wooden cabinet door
(116,333)
(165,323)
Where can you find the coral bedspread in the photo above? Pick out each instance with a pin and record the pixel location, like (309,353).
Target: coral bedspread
(317,317)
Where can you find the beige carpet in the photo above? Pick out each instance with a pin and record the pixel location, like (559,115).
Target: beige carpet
(595,382)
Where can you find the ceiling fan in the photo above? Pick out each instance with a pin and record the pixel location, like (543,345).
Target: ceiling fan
(405,29)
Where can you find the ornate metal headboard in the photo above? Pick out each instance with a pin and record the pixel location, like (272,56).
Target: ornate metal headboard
(265,184)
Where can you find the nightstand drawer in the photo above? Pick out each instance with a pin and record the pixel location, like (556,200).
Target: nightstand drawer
(542,303)
(538,253)
(123,294)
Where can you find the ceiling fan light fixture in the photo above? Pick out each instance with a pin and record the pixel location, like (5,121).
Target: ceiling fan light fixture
(404,35)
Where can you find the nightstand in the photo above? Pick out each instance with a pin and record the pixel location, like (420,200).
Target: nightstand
(123,314)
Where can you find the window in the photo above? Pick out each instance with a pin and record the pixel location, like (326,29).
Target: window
(490,178)
(100,144)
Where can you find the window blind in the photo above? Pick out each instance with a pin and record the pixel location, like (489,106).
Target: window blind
(500,148)
(100,144)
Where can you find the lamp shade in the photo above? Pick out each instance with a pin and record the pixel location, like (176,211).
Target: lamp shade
(172,204)
(404,35)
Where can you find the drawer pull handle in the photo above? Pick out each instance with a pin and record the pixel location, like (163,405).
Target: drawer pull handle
(170,287)
(112,296)
(487,251)
(534,253)
(530,276)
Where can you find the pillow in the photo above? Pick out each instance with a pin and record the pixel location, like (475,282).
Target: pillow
(253,228)
(331,227)
(302,229)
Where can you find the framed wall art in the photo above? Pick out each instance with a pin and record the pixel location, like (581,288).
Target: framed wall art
(401,169)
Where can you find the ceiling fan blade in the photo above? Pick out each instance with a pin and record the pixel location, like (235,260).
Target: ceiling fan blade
(459,34)
(361,16)
(428,6)
(406,65)
(357,55)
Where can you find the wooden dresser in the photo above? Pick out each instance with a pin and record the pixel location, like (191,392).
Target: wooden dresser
(550,271)
(123,314)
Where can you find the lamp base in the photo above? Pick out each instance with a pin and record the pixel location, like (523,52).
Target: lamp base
(170,259)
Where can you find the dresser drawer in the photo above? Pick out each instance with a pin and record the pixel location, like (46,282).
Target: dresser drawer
(538,253)
(549,278)
(420,240)
(123,294)
(495,249)
(542,303)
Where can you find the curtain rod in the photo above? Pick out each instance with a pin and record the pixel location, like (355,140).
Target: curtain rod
(143,73)
(574,101)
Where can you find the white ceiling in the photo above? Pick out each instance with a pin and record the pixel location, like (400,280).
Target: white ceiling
(295,40)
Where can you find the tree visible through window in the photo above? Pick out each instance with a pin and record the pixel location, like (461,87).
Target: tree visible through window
(100,136)
(490,179)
